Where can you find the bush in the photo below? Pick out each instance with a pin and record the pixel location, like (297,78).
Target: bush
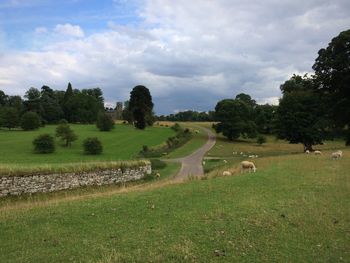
(104,122)
(66,134)
(44,144)
(261,139)
(176,127)
(92,146)
(30,121)
(157,164)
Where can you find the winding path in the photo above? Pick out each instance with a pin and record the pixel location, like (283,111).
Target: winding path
(191,165)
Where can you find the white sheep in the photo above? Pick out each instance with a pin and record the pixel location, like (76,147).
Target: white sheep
(337,155)
(307,151)
(251,156)
(157,175)
(250,166)
(226,173)
(225,161)
(203,162)
(317,152)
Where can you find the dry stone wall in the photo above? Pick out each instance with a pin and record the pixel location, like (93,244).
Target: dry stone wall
(16,185)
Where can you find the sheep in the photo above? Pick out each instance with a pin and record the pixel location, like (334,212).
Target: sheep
(251,156)
(234,153)
(250,166)
(157,175)
(317,152)
(226,173)
(203,162)
(307,151)
(337,155)
(225,161)
(196,131)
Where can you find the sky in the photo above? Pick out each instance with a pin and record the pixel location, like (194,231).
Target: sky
(190,54)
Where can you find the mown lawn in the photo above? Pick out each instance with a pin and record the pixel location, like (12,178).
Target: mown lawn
(122,143)
(294,209)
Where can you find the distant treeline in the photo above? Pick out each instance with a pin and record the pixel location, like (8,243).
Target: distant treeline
(76,106)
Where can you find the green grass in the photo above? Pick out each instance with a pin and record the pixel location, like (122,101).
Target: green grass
(196,142)
(82,167)
(273,147)
(122,143)
(294,209)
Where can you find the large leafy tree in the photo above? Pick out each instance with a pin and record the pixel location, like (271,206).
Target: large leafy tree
(141,106)
(300,115)
(332,71)
(3,99)
(234,119)
(9,117)
(52,111)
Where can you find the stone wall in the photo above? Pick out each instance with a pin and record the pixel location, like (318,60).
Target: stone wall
(16,185)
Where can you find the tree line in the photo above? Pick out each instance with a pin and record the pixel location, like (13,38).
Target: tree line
(312,108)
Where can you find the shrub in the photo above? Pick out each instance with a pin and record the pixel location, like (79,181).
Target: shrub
(44,144)
(145,148)
(176,127)
(157,164)
(92,146)
(104,122)
(261,139)
(30,121)
(66,134)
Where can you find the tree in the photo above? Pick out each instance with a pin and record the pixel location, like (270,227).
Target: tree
(44,143)
(9,117)
(141,106)
(332,73)
(92,146)
(104,122)
(32,102)
(247,99)
(52,111)
(264,116)
(261,140)
(30,121)
(66,134)
(3,99)
(234,117)
(300,115)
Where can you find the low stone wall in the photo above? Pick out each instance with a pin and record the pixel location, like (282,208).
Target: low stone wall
(16,185)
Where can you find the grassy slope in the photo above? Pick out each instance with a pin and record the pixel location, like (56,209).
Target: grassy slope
(294,209)
(196,142)
(124,142)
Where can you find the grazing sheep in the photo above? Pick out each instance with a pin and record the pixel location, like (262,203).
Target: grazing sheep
(225,161)
(317,152)
(226,173)
(203,162)
(250,166)
(251,156)
(157,175)
(234,153)
(196,131)
(241,153)
(337,155)
(307,151)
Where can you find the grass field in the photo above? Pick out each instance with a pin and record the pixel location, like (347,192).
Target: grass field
(122,143)
(294,209)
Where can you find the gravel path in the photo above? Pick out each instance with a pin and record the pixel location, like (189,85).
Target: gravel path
(191,165)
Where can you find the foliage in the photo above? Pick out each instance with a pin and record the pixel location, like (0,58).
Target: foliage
(332,73)
(261,139)
(188,116)
(235,119)
(182,136)
(44,144)
(104,122)
(92,146)
(157,164)
(141,106)
(30,121)
(66,134)
(300,114)
(9,117)
(265,118)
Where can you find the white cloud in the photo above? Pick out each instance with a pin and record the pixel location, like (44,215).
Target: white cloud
(189,53)
(69,30)
(40,30)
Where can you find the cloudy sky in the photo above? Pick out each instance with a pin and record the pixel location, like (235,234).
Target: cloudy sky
(190,54)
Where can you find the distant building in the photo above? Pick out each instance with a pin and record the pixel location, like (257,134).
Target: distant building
(119,110)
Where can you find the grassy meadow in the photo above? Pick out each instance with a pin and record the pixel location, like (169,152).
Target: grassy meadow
(294,209)
(122,143)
